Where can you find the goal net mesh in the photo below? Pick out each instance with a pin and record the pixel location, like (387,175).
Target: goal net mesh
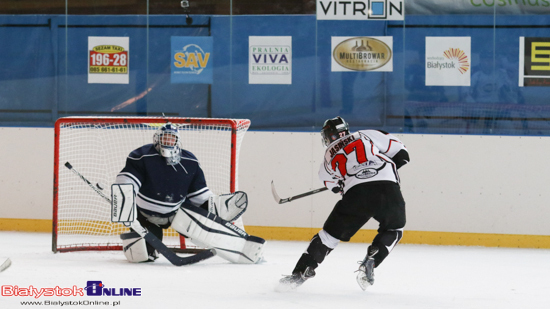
(98,147)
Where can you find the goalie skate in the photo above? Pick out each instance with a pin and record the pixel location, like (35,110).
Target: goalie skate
(365,273)
(293,281)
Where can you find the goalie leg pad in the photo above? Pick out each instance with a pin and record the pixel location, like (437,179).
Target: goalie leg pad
(208,230)
(135,248)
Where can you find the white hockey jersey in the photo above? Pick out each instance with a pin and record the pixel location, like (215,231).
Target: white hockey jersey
(364,156)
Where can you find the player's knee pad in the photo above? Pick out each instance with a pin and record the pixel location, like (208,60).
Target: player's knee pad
(315,254)
(208,230)
(317,249)
(389,238)
(385,241)
(134,247)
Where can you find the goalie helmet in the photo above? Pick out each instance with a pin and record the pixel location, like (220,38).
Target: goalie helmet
(166,141)
(334,129)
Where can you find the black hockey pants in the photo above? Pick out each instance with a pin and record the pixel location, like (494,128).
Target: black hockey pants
(381,200)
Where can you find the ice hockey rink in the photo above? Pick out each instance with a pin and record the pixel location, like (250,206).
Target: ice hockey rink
(413,276)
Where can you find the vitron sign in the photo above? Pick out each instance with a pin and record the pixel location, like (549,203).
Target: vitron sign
(361,10)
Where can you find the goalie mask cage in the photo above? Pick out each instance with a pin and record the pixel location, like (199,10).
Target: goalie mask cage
(97,147)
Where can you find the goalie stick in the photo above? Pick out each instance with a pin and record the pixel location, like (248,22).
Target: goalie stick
(295,197)
(149,237)
(6,262)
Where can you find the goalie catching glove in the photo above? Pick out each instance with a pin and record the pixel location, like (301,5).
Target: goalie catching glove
(230,206)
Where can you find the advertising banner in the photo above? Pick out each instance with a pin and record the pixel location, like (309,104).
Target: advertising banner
(270,60)
(191,60)
(362,54)
(361,10)
(534,61)
(108,60)
(448,61)
(499,7)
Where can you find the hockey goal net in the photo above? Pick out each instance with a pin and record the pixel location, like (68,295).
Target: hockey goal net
(97,147)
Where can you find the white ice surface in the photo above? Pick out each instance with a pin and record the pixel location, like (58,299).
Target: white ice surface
(413,276)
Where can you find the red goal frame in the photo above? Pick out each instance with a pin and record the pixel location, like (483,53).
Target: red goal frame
(233,124)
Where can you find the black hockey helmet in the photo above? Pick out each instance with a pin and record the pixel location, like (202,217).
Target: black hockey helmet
(333,129)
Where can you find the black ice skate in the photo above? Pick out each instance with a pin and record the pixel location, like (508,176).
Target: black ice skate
(295,280)
(152,256)
(365,275)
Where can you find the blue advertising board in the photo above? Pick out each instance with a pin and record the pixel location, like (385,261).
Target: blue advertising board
(191,60)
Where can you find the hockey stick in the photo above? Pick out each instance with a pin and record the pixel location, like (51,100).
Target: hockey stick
(295,197)
(5,264)
(149,237)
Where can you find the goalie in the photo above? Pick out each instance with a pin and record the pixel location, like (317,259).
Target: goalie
(170,191)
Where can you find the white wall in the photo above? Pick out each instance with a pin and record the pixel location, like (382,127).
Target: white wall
(477,184)
(26,173)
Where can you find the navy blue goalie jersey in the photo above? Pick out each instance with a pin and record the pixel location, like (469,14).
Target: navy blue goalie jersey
(162,188)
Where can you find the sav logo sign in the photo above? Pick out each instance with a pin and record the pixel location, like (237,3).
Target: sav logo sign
(191,60)
(534,61)
(361,10)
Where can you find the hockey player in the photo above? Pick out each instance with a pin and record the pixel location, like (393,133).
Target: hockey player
(171,191)
(363,168)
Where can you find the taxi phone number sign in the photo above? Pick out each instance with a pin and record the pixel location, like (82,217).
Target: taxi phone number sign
(108,61)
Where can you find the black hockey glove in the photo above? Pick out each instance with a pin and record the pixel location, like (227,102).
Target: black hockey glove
(339,188)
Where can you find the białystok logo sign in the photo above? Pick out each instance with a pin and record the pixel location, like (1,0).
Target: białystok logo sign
(448,61)
(459,56)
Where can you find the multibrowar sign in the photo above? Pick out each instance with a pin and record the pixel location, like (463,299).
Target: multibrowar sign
(361,10)
(362,54)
